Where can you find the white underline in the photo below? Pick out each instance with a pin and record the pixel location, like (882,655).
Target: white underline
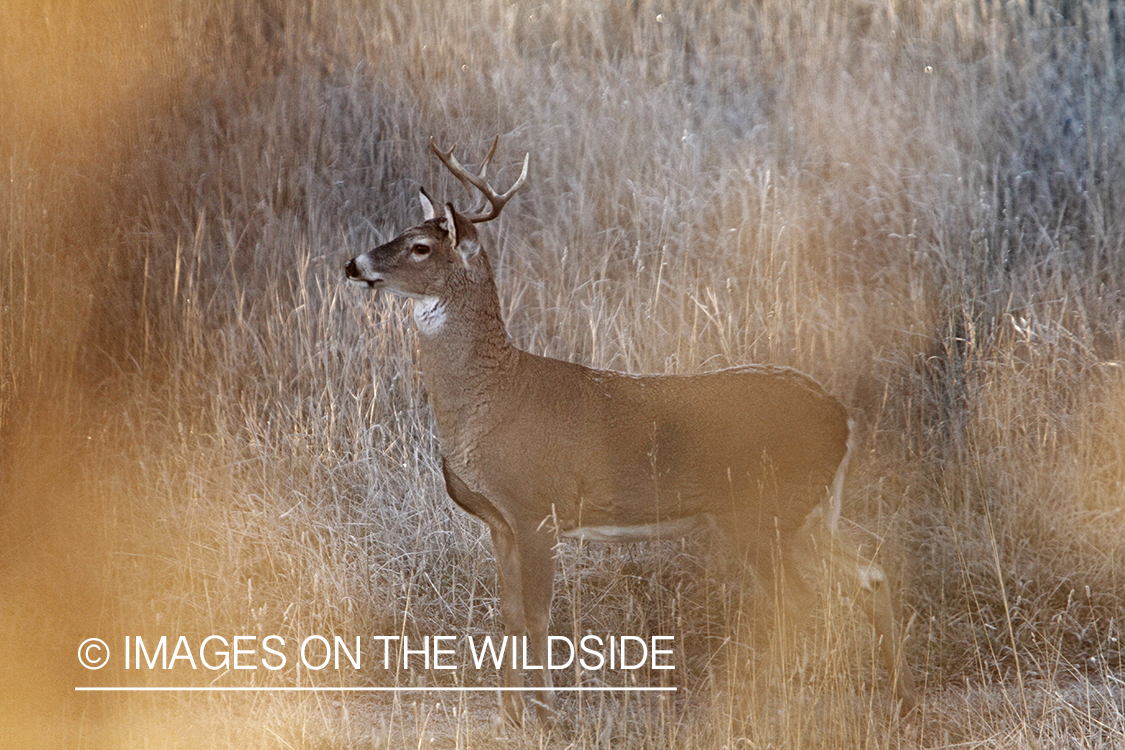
(200,689)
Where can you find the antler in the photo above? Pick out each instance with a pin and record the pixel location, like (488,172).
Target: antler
(470,181)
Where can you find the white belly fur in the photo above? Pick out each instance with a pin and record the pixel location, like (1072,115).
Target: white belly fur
(670,529)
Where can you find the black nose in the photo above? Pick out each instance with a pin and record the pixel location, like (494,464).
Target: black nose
(350,270)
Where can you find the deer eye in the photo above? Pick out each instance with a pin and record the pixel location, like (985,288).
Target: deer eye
(420,250)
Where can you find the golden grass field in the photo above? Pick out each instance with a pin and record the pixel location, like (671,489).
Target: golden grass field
(205,430)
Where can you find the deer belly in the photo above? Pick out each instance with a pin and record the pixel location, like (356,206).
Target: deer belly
(671,529)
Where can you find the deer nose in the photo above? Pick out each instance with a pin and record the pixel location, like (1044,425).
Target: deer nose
(350,270)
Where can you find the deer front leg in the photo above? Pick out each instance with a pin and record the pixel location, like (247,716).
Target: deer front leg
(537,570)
(509,572)
(526,564)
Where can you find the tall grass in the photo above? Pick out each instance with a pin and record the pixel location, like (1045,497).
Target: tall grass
(204,430)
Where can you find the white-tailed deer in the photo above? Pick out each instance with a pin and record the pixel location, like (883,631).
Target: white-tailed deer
(541,449)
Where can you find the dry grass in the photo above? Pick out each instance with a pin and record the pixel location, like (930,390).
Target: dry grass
(204,430)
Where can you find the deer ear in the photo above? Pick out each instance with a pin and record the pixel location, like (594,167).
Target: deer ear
(428,211)
(463,234)
(451,223)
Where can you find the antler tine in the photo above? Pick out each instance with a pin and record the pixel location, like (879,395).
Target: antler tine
(469,180)
(488,157)
(450,161)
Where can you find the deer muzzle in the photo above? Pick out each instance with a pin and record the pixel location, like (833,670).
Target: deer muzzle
(356,272)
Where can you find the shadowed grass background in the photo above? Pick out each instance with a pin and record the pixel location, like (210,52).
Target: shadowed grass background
(204,430)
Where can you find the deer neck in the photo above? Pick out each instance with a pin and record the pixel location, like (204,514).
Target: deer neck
(464,352)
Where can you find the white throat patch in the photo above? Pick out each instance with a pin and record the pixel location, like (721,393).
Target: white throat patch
(429,315)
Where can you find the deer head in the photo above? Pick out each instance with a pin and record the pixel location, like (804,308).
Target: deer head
(424,260)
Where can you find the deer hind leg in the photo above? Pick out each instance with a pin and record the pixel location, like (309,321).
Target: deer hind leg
(874,596)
